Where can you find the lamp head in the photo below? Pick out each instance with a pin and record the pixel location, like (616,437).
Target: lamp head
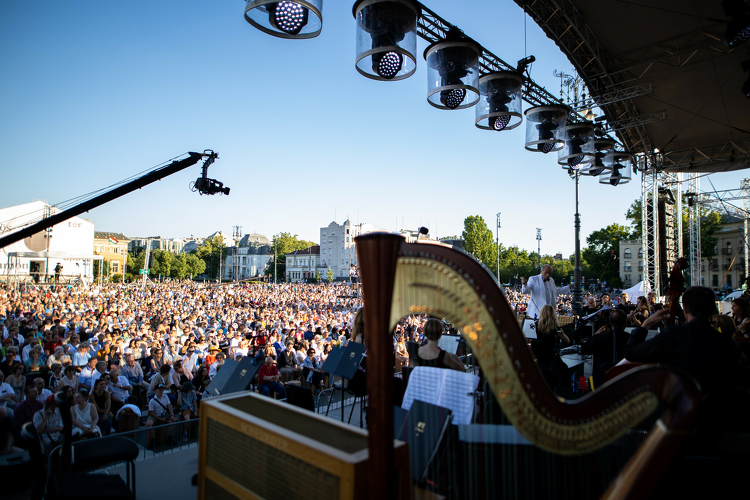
(289,17)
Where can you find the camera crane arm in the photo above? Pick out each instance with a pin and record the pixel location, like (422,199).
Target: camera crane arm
(108,196)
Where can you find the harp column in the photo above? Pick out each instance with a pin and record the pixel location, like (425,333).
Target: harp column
(378,255)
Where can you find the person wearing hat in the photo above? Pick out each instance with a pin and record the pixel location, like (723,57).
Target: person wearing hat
(159,412)
(48,423)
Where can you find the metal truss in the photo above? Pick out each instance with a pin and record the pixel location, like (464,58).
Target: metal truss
(649,223)
(635,121)
(720,202)
(612,97)
(694,230)
(566,26)
(699,157)
(433,28)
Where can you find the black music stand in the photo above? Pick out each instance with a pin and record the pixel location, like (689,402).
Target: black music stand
(423,430)
(222,376)
(241,376)
(344,363)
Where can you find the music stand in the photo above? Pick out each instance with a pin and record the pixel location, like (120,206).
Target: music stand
(222,377)
(344,363)
(423,429)
(242,375)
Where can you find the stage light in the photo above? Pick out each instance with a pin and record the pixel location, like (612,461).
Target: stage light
(621,171)
(298,19)
(386,38)
(545,128)
(453,72)
(738,28)
(578,150)
(604,157)
(499,106)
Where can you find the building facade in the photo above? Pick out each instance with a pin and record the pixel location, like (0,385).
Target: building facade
(337,249)
(68,244)
(174,245)
(725,270)
(113,247)
(631,262)
(302,265)
(248,258)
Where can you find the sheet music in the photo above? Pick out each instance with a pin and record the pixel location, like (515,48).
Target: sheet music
(449,343)
(529,328)
(447,388)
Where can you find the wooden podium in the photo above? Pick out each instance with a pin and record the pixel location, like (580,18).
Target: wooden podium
(254,447)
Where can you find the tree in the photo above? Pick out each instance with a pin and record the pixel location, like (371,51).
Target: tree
(103,267)
(603,249)
(283,244)
(212,251)
(478,241)
(329,275)
(635,216)
(318,276)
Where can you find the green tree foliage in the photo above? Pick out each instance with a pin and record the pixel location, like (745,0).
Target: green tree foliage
(635,216)
(166,264)
(211,252)
(329,275)
(284,243)
(602,246)
(101,266)
(478,241)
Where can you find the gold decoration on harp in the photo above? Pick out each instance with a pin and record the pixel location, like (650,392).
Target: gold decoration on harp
(423,285)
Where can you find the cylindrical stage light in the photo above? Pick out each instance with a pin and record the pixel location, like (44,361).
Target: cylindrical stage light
(386,38)
(545,128)
(453,73)
(298,19)
(579,146)
(604,158)
(499,106)
(621,170)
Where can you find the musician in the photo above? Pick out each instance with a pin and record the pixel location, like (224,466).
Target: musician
(601,345)
(543,291)
(544,346)
(352,274)
(432,355)
(708,356)
(741,315)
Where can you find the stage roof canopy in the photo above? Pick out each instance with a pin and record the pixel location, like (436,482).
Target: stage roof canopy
(620,46)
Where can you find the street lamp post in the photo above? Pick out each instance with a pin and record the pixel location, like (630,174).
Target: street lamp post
(539,246)
(577,305)
(498,248)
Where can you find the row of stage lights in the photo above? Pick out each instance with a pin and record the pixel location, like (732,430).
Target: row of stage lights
(386,40)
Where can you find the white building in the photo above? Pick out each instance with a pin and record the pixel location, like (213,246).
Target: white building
(631,262)
(69,243)
(337,249)
(303,264)
(249,258)
(174,245)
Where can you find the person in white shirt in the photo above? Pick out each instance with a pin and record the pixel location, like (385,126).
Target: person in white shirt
(119,387)
(543,291)
(48,423)
(215,365)
(159,412)
(85,379)
(6,394)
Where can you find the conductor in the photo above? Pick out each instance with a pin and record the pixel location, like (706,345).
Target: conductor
(543,291)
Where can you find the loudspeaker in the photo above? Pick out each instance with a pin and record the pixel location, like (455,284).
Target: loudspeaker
(300,397)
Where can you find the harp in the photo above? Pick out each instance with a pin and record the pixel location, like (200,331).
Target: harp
(399,279)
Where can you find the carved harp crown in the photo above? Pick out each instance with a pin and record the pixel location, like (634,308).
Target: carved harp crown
(401,279)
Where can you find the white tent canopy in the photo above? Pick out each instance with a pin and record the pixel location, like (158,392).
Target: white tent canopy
(634,292)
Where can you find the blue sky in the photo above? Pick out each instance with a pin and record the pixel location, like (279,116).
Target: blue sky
(93,92)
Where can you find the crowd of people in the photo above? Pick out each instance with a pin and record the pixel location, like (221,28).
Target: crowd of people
(155,347)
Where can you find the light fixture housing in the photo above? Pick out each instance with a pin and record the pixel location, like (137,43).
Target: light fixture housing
(545,128)
(604,158)
(453,72)
(499,106)
(298,19)
(386,38)
(578,149)
(738,28)
(621,170)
